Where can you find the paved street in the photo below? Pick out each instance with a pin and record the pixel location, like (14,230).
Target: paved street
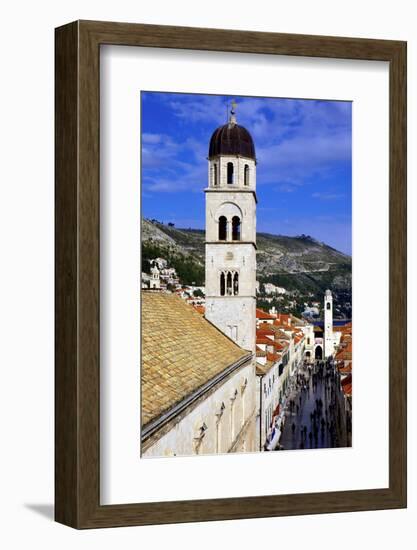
(315,413)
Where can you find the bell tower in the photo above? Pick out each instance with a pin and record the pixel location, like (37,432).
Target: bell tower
(231,233)
(328,324)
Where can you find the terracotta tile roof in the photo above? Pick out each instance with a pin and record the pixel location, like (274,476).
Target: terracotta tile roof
(297,321)
(181,351)
(263,369)
(281,334)
(347,385)
(200,309)
(285,326)
(261,314)
(343,355)
(345,352)
(347,329)
(284,318)
(264,340)
(280,346)
(279,330)
(265,329)
(347,368)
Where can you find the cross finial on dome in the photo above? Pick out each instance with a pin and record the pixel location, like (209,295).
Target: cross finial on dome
(232,119)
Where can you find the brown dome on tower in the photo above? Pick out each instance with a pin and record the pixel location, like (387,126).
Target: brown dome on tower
(232,139)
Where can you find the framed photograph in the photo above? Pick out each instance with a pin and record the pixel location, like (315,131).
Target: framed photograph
(230,274)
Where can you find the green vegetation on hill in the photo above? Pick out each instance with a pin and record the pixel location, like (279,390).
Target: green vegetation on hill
(189,269)
(316,281)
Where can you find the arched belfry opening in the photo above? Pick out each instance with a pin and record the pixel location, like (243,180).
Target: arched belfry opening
(229,290)
(235,228)
(318,353)
(246,175)
(236,284)
(229,283)
(230,174)
(222,228)
(222,285)
(215,182)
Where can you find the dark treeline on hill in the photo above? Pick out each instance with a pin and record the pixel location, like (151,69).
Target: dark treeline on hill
(300,263)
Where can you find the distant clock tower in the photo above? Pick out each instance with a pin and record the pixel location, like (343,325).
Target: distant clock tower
(231,233)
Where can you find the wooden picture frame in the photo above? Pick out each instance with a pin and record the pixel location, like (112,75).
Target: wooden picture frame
(77,404)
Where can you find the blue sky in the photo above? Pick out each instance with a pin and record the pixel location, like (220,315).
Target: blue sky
(303,150)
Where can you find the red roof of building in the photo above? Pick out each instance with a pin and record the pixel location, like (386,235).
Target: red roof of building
(344,353)
(264,340)
(284,326)
(265,332)
(347,368)
(284,318)
(347,385)
(280,346)
(261,314)
(347,329)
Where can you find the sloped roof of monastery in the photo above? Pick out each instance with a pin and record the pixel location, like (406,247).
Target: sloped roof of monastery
(181,351)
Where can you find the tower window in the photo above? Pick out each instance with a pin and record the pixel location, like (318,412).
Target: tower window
(236,284)
(230,172)
(328,305)
(246,175)
(222,285)
(215,175)
(236,228)
(229,284)
(222,228)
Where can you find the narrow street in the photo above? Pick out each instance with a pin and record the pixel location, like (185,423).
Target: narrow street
(315,417)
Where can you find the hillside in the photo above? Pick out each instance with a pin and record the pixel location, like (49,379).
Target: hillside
(296,263)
